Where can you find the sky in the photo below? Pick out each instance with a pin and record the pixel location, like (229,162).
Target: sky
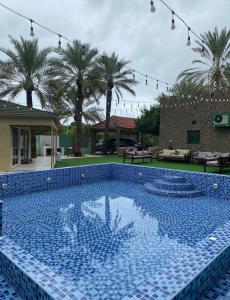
(126,27)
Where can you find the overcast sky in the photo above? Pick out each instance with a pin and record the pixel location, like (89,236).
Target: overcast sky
(124,26)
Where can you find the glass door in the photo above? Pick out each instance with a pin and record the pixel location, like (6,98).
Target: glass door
(15,143)
(24,145)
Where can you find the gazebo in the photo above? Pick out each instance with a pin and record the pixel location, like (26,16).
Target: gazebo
(118,126)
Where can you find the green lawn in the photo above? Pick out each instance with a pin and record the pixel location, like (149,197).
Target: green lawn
(161,164)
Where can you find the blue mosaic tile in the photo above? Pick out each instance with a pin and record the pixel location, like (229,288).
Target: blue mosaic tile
(6,291)
(101,237)
(221,291)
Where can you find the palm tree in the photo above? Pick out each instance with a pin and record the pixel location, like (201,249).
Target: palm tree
(62,102)
(185,87)
(114,75)
(75,68)
(215,53)
(25,69)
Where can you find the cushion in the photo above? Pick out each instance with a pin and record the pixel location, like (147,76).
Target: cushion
(130,153)
(212,163)
(146,152)
(139,153)
(168,152)
(183,151)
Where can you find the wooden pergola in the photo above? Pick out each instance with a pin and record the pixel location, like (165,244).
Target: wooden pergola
(118,126)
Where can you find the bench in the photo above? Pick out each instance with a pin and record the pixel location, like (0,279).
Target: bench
(133,156)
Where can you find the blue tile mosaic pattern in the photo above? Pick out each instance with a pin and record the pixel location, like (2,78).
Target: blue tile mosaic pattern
(0,218)
(172,186)
(6,291)
(221,291)
(189,271)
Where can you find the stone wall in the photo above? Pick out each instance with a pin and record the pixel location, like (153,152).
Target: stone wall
(179,116)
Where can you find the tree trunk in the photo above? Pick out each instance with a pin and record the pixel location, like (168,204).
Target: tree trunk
(108,110)
(29,101)
(78,119)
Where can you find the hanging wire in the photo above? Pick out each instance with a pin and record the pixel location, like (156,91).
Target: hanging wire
(180,18)
(61,36)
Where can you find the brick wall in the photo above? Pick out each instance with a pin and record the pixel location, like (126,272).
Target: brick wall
(179,116)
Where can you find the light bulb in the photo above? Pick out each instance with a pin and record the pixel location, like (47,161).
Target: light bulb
(152,7)
(83,53)
(173,21)
(202,52)
(31,29)
(134,77)
(189,39)
(173,25)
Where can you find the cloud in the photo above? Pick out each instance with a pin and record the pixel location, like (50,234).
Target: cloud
(124,26)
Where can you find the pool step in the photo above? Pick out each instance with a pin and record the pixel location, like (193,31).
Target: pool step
(173,186)
(175,179)
(170,193)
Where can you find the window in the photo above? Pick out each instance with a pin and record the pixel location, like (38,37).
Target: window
(193,137)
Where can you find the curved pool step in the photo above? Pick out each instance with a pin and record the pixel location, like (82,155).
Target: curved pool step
(150,187)
(175,179)
(173,186)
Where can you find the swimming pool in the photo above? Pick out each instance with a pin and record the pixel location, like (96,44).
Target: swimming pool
(96,233)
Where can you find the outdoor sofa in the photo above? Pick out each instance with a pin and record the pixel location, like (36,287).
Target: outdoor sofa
(175,155)
(133,154)
(215,159)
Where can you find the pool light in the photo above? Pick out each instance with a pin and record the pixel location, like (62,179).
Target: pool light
(49,179)
(215,186)
(4,186)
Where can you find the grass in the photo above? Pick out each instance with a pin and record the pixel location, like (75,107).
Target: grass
(161,164)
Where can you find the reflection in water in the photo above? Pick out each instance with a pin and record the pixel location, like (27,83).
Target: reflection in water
(108,238)
(95,233)
(112,233)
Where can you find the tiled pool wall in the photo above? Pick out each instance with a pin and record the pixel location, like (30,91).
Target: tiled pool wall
(202,181)
(200,270)
(22,283)
(19,183)
(206,279)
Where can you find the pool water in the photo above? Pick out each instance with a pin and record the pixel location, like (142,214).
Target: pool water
(109,236)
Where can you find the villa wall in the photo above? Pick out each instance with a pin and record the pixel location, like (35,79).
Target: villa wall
(179,116)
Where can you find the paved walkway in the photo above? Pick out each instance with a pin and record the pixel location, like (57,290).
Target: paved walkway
(39,163)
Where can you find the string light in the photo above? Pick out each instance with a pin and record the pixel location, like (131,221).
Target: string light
(83,53)
(152,6)
(188,39)
(60,36)
(203,49)
(31,28)
(173,21)
(157,86)
(59,41)
(182,20)
(134,77)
